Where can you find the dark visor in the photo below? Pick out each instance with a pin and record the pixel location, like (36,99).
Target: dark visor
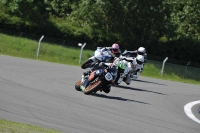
(139,62)
(115,50)
(140,53)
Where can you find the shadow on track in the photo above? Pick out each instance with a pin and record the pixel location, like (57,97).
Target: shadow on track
(136,89)
(116,98)
(149,82)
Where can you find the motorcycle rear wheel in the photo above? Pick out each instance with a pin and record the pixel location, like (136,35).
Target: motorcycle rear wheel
(93,87)
(77,85)
(86,64)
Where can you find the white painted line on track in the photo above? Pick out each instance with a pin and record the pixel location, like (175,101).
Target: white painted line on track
(188,111)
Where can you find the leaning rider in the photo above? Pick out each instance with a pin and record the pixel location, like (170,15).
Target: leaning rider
(113,51)
(140,51)
(102,67)
(133,68)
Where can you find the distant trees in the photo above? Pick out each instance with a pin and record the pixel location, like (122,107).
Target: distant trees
(186,16)
(162,26)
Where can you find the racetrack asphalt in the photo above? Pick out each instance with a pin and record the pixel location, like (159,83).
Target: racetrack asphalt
(42,94)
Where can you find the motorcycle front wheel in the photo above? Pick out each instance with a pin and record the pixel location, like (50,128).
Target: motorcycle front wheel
(87,64)
(77,85)
(93,87)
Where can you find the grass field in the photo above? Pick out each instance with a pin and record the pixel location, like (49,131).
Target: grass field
(13,127)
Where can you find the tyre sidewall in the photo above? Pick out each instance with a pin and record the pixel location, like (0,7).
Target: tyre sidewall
(96,88)
(77,85)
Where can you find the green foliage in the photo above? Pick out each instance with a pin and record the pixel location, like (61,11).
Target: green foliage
(163,39)
(30,10)
(185,15)
(161,26)
(58,8)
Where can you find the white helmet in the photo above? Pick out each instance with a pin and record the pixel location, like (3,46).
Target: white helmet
(140,59)
(141,50)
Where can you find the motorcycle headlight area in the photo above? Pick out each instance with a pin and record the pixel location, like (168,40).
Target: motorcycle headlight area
(108,76)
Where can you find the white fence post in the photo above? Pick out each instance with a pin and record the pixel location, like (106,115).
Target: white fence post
(39,46)
(82,46)
(19,41)
(186,69)
(161,73)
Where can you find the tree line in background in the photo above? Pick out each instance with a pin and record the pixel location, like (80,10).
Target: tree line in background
(166,28)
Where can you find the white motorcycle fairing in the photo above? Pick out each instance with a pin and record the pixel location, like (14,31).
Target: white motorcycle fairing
(102,56)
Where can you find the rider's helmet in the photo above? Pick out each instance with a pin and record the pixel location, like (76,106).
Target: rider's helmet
(115,48)
(141,51)
(140,59)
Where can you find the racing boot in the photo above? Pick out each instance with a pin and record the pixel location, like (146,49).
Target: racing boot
(84,85)
(120,79)
(127,80)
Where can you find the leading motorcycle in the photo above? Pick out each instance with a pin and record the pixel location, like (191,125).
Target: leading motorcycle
(97,80)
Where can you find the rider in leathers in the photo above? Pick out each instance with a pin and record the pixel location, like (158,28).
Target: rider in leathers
(132,70)
(140,51)
(110,68)
(114,51)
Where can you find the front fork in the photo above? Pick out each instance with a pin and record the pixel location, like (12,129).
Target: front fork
(93,63)
(85,80)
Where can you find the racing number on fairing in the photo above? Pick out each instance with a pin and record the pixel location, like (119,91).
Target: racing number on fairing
(108,76)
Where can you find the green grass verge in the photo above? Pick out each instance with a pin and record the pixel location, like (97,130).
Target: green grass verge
(171,72)
(26,48)
(14,127)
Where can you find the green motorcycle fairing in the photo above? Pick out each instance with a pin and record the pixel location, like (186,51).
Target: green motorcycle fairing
(121,64)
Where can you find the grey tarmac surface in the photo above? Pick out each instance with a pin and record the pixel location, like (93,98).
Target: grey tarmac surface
(42,94)
(196,111)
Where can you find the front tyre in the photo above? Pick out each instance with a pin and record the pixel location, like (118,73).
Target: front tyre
(93,87)
(77,85)
(107,89)
(87,64)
